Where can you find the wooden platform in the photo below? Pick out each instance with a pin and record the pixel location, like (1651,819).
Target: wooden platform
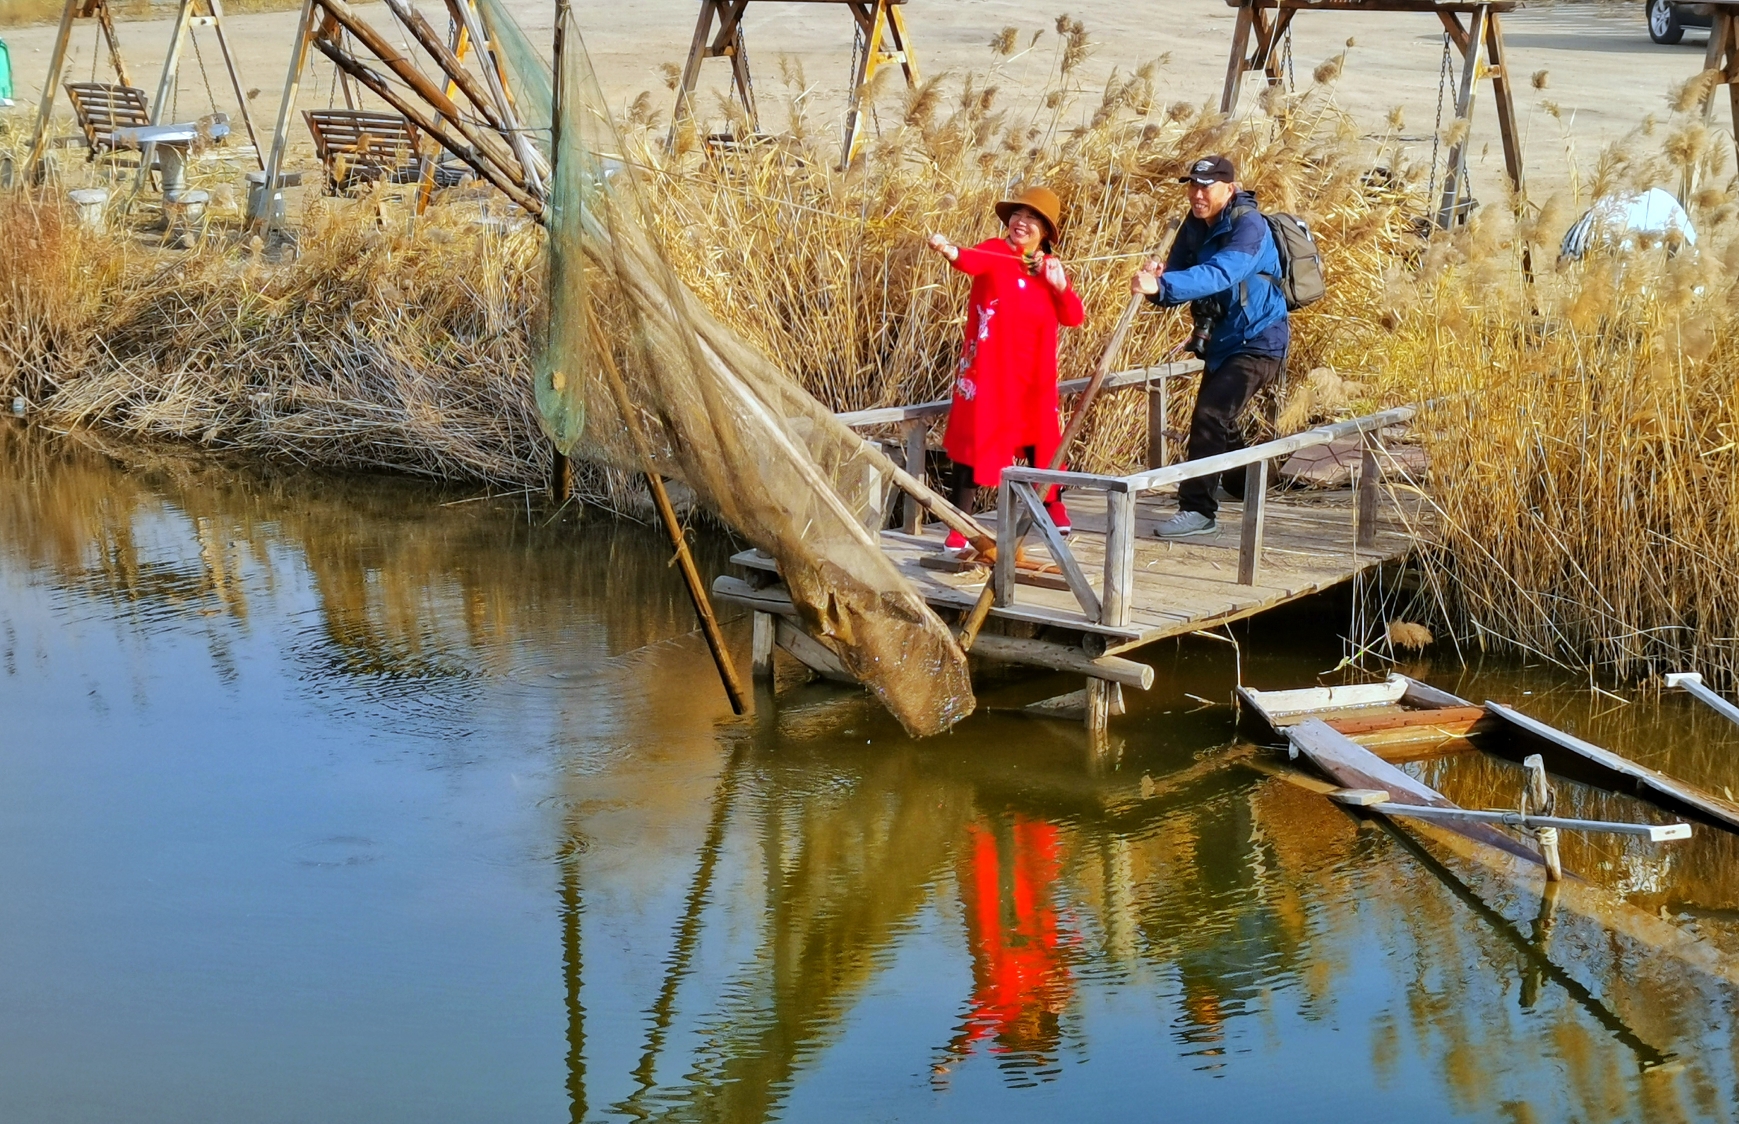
(1179,587)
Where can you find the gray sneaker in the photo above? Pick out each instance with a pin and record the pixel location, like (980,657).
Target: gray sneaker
(1185,524)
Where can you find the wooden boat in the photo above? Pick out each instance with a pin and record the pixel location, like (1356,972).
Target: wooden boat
(1403,719)
(1399,720)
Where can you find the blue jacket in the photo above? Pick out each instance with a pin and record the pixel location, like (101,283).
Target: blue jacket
(1236,262)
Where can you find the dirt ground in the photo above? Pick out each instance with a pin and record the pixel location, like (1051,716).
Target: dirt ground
(1604,72)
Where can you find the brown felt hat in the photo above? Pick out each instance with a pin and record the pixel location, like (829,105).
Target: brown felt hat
(1041,200)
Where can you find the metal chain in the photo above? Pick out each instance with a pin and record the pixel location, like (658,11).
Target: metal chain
(1437,132)
(203,76)
(1286,49)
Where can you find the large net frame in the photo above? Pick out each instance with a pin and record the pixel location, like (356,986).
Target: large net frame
(635,373)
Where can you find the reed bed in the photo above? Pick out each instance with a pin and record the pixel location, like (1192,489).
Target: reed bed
(1582,449)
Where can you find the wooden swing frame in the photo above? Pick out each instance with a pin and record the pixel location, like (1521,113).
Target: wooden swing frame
(1474,28)
(718,33)
(189,15)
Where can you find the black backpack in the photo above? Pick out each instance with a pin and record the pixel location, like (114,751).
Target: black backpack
(1301,280)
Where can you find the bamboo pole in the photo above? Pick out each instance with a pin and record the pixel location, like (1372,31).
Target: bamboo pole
(703,609)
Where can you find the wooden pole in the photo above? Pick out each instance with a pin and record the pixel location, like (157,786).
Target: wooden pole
(281,130)
(235,80)
(1538,800)
(432,125)
(1455,172)
(38,146)
(703,609)
(106,19)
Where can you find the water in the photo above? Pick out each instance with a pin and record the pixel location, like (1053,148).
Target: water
(354,801)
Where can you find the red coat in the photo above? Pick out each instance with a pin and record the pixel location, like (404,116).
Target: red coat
(1005,388)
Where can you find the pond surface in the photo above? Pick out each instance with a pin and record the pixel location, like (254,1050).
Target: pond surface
(364,801)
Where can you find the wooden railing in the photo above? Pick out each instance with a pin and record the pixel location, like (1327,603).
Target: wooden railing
(913,422)
(1019,509)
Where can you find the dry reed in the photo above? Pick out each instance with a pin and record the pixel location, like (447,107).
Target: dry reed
(1583,459)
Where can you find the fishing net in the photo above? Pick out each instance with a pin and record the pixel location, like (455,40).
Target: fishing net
(703,406)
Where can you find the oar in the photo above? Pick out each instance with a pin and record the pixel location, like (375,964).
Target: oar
(981,610)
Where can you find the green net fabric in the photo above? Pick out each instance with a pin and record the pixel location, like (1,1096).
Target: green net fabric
(713,411)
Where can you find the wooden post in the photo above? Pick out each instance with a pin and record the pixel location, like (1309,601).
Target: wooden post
(1538,800)
(1007,545)
(1504,99)
(727,43)
(33,165)
(1255,510)
(1117,599)
(1369,476)
(1240,47)
(1103,699)
(1158,444)
(917,435)
(261,220)
(1455,172)
(561,478)
(761,649)
(877,20)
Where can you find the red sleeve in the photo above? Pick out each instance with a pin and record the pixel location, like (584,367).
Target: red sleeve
(1070,313)
(976,260)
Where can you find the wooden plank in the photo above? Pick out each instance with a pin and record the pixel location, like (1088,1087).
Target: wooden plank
(1119,581)
(1570,756)
(761,648)
(1353,766)
(1456,718)
(1306,700)
(1425,695)
(1076,580)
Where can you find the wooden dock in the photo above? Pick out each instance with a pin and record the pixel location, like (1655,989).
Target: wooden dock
(1081,603)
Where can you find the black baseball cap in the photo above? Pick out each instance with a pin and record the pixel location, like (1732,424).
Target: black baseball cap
(1210,169)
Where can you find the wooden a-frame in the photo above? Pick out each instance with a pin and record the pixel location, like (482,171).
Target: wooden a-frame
(190,14)
(718,33)
(1722,57)
(1475,30)
(483,131)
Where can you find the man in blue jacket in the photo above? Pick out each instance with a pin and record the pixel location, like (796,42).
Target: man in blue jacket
(1225,265)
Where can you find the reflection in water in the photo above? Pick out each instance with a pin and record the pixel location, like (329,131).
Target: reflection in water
(797,915)
(1020,977)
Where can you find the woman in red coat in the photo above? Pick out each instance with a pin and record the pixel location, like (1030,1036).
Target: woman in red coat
(1005,387)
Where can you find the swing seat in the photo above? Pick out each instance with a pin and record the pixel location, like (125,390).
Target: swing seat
(103,107)
(358,147)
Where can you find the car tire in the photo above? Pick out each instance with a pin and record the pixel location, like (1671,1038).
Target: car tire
(1663,22)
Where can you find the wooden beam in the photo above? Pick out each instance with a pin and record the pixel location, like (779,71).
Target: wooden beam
(1351,765)
(33,172)
(1238,64)
(1076,580)
(761,645)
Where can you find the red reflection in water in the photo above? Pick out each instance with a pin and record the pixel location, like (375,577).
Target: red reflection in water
(1020,973)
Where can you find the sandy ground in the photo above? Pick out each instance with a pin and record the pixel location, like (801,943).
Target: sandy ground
(1604,71)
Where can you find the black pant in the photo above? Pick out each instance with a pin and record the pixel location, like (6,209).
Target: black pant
(1214,428)
(963,488)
